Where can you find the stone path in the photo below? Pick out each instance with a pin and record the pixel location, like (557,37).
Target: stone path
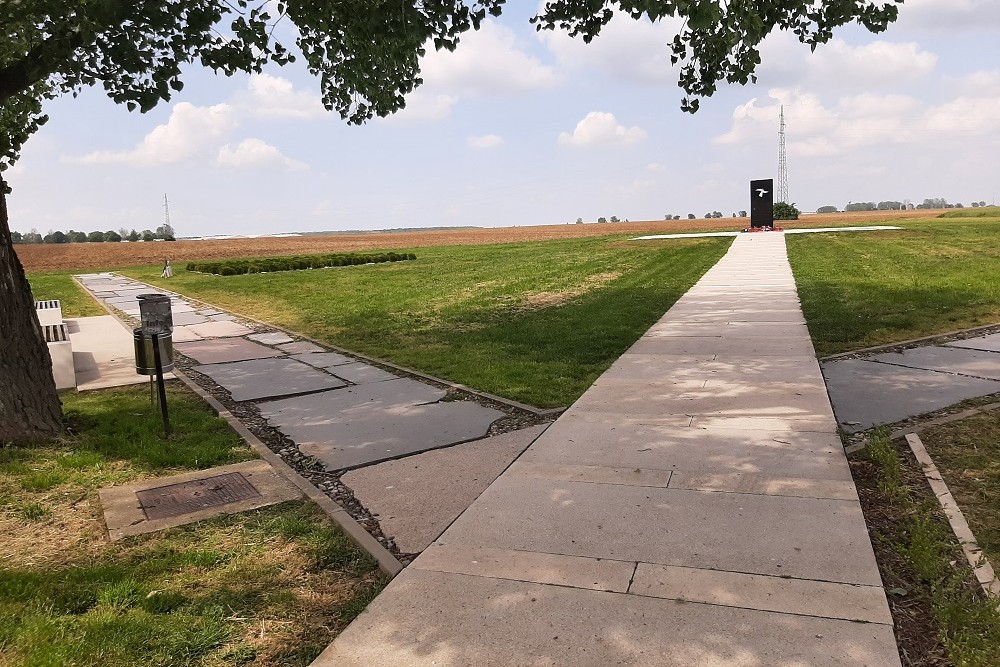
(883,388)
(694,507)
(344,412)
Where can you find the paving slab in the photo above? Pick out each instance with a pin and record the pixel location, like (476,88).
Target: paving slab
(183,334)
(694,345)
(653,368)
(778,399)
(556,569)
(222,317)
(621,441)
(324,359)
(103,353)
(300,347)
(989,343)
(368,423)
(360,373)
(419,496)
(184,318)
(446,619)
(946,359)
(223,351)
(777,534)
(269,378)
(220,329)
(865,604)
(271,337)
(865,393)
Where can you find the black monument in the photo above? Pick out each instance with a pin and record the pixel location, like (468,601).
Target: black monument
(762,203)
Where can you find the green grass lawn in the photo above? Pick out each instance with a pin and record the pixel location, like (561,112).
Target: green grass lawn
(272,586)
(967,453)
(60,285)
(863,289)
(535,322)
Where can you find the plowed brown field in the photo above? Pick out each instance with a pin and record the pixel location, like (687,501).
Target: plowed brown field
(103,256)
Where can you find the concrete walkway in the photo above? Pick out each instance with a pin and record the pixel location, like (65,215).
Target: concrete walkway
(694,507)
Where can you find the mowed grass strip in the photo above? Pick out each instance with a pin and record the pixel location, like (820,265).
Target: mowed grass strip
(535,322)
(864,289)
(75,302)
(268,587)
(967,453)
(920,561)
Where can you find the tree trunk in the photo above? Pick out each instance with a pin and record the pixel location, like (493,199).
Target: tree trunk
(29,403)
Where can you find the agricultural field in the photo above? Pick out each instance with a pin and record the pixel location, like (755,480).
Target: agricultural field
(101,256)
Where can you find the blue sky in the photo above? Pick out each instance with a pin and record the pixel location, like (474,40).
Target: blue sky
(522,128)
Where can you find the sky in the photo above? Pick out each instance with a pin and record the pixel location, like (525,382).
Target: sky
(518,127)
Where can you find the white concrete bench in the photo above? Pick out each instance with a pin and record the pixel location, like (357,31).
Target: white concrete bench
(61,352)
(49,312)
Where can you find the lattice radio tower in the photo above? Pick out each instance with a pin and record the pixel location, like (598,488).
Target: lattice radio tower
(782,193)
(166,210)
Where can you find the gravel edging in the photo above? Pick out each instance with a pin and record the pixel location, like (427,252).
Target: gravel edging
(387,562)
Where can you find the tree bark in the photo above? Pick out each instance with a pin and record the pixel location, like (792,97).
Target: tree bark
(29,403)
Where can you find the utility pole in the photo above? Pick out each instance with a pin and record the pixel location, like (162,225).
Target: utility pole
(166,210)
(782,193)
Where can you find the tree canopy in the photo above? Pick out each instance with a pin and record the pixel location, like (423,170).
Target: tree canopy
(366,54)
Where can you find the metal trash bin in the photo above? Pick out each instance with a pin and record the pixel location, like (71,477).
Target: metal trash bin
(144,360)
(155,314)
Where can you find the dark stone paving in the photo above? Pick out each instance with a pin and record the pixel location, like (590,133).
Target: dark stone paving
(359,373)
(268,378)
(324,359)
(867,393)
(300,347)
(271,337)
(891,386)
(363,424)
(343,411)
(183,319)
(976,363)
(226,350)
(990,343)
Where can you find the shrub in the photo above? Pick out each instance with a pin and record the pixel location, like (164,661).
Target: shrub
(234,267)
(785,211)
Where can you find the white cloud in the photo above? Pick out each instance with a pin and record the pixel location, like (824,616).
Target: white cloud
(872,64)
(189,131)
(948,15)
(855,123)
(626,50)
(253,153)
(489,61)
(484,141)
(600,128)
(423,106)
(842,67)
(275,97)
(655,166)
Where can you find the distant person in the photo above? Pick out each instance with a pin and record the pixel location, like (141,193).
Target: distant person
(167,271)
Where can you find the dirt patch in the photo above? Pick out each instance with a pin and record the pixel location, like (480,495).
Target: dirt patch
(102,256)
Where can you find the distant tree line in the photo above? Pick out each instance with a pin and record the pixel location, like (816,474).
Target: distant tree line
(929,203)
(162,233)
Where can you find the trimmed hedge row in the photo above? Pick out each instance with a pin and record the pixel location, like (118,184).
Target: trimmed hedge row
(234,267)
